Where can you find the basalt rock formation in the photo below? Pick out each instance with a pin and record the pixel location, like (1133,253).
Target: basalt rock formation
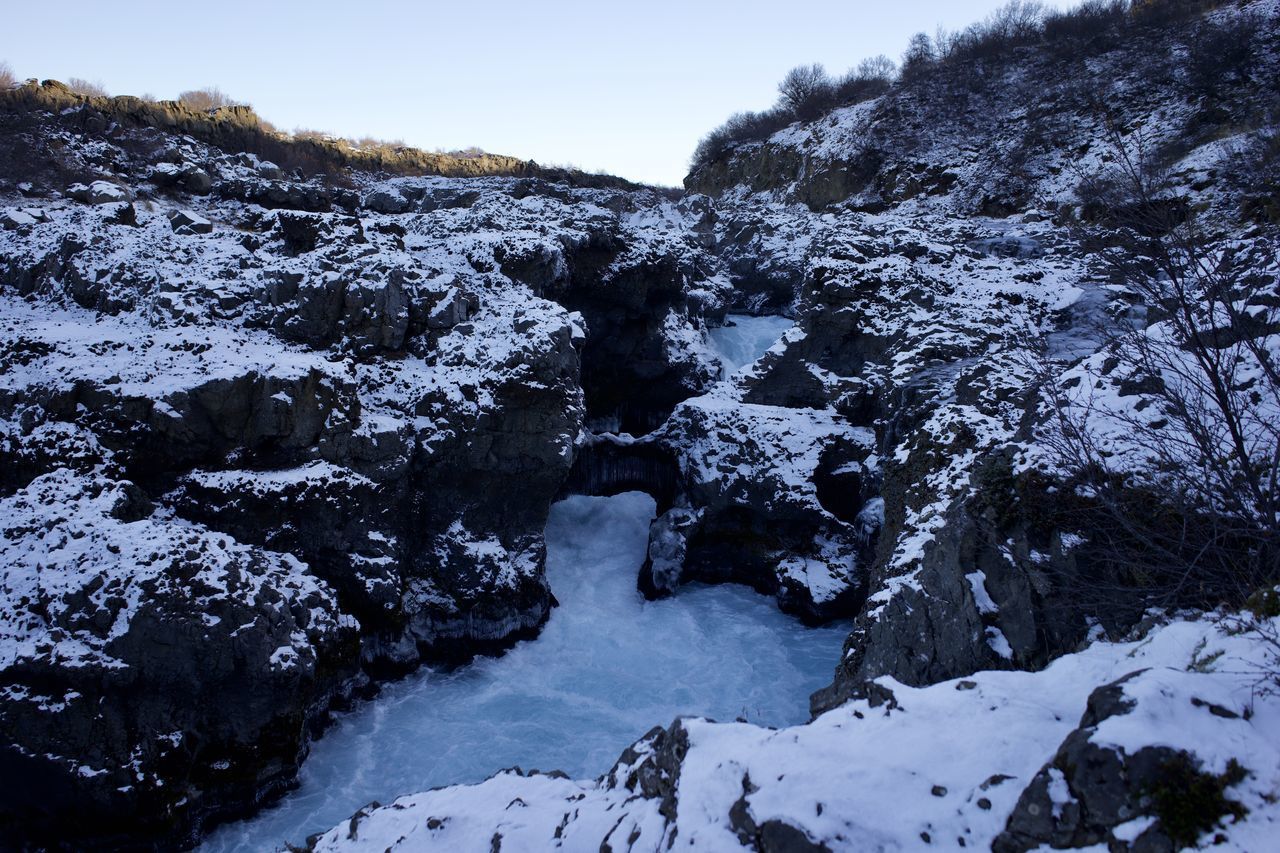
(269,435)
(331,434)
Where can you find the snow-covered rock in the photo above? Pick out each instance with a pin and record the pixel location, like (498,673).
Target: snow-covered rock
(961,763)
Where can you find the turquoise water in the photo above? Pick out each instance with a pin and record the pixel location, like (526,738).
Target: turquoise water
(606,668)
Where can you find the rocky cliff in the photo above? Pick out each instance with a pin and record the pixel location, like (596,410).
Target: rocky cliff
(261,435)
(268,438)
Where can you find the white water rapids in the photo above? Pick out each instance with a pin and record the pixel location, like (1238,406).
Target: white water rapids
(607,667)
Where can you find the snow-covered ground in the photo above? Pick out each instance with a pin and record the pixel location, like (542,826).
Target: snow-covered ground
(606,667)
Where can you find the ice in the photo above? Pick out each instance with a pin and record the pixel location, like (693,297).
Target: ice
(607,667)
(747,339)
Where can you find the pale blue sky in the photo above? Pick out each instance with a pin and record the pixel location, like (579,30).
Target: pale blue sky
(628,87)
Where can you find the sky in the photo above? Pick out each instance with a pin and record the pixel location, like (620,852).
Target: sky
(623,87)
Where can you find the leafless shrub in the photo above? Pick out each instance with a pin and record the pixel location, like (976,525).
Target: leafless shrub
(871,79)
(1180,490)
(7,80)
(1090,22)
(1221,53)
(311,133)
(88,88)
(1017,23)
(740,128)
(372,143)
(1161,13)
(806,91)
(210,98)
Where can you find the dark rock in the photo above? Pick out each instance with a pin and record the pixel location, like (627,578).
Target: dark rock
(386,201)
(98,192)
(123,213)
(1089,789)
(22,217)
(189,222)
(185,176)
(749,507)
(120,760)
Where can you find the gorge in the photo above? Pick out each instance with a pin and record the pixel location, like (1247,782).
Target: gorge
(906,481)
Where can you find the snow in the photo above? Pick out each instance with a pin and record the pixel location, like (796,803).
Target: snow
(866,778)
(978,583)
(61,541)
(606,667)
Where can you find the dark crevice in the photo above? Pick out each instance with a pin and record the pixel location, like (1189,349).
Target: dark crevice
(604,467)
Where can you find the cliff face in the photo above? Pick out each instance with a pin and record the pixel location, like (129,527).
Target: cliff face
(1018,130)
(238,129)
(944,250)
(259,434)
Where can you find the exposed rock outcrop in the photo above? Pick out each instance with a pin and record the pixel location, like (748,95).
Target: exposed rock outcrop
(339,402)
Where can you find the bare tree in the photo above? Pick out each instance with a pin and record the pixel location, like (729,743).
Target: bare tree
(210,98)
(6,76)
(806,91)
(88,88)
(877,68)
(920,54)
(1171,437)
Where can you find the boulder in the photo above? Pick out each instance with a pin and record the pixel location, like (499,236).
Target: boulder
(189,222)
(186,176)
(1151,796)
(21,217)
(99,192)
(386,200)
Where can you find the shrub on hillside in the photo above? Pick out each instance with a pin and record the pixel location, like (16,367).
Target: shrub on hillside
(88,88)
(871,79)
(1180,488)
(740,128)
(1159,13)
(1221,52)
(807,91)
(919,57)
(1091,20)
(6,76)
(954,64)
(1017,23)
(210,98)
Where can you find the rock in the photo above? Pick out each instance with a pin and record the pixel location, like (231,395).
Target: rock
(277,194)
(340,522)
(753,507)
(386,200)
(301,232)
(186,176)
(147,619)
(1091,793)
(189,222)
(98,192)
(122,213)
(268,170)
(21,217)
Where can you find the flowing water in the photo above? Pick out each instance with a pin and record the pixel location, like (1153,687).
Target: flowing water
(747,339)
(607,667)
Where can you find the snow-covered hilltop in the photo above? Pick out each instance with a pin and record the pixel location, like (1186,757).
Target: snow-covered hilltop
(271,434)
